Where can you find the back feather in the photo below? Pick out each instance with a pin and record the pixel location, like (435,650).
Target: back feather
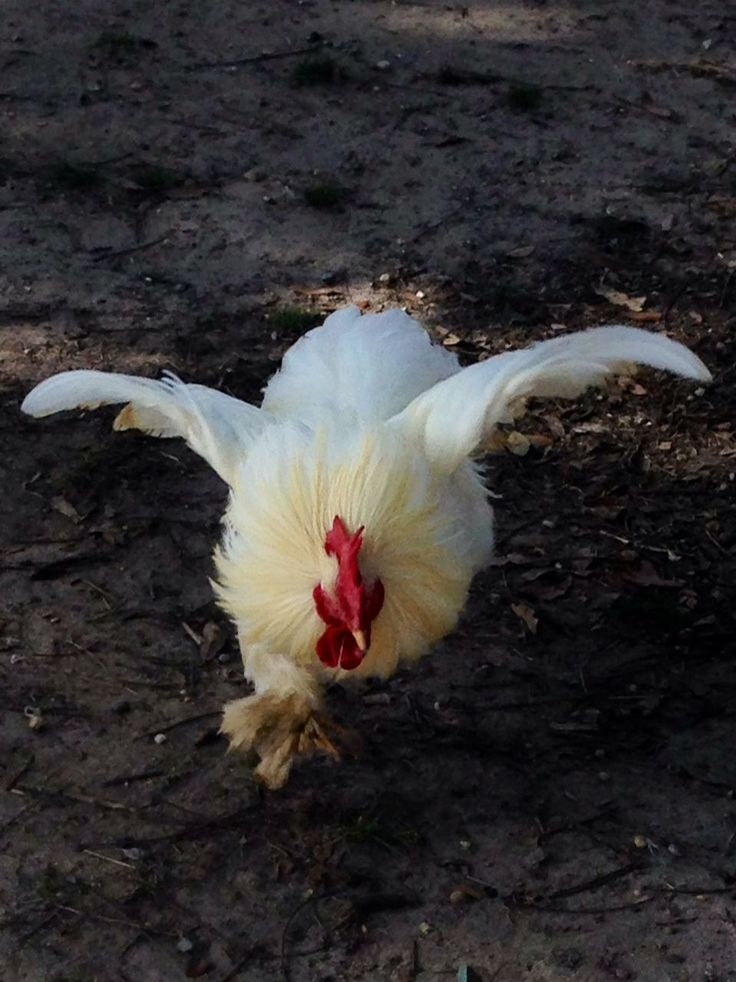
(368,366)
(459,414)
(216,426)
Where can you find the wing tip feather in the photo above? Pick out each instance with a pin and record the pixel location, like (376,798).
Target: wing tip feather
(125,419)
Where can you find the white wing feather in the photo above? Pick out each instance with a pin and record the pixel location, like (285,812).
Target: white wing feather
(216,426)
(457,415)
(367,366)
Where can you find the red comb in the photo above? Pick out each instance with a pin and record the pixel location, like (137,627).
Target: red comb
(346,549)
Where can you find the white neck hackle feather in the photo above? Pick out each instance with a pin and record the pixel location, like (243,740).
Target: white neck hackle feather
(283,502)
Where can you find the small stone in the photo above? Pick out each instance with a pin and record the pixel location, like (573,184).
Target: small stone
(425,928)
(35,719)
(331,278)
(466,893)
(385,278)
(184,945)
(377,699)
(518,444)
(255,174)
(420,294)
(383,65)
(640,841)
(603,775)
(160,738)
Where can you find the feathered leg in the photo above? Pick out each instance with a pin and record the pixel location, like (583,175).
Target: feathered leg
(282,718)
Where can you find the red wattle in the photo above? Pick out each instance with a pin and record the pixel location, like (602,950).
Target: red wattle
(337,648)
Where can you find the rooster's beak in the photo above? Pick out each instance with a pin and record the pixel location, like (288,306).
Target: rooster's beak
(360,640)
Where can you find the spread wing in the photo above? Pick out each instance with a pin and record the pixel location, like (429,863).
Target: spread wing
(216,426)
(459,414)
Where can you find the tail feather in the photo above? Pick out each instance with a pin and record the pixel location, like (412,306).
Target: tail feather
(456,416)
(216,426)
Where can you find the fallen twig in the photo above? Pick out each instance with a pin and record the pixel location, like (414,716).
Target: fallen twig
(587,885)
(115,782)
(697,891)
(255,59)
(240,964)
(116,920)
(168,727)
(284,961)
(83,799)
(598,881)
(108,859)
(16,818)
(115,253)
(615,908)
(191,831)
(12,781)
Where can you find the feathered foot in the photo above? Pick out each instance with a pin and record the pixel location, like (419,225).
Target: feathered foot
(277,728)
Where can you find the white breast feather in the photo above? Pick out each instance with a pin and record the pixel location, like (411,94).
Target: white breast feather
(417,539)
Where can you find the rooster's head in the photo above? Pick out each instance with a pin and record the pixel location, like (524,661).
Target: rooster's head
(350,608)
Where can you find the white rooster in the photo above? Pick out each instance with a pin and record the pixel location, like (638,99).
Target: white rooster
(356,519)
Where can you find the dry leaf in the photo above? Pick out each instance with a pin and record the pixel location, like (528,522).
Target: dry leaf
(540,440)
(213,641)
(591,427)
(513,559)
(663,112)
(555,425)
(647,575)
(196,638)
(495,443)
(518,444)
(197,967)
(521,252)
(464,893)
(525,613)
(620,299)
(584,723)
(553,591)
(630,384)
(65,508)
(113,536)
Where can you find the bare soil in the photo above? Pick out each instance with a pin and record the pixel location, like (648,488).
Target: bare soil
(550,796)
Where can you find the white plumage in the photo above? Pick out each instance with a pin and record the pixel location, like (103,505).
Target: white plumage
(216,426)
(369,423)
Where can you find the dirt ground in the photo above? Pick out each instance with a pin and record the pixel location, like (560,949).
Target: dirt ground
(550,796)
